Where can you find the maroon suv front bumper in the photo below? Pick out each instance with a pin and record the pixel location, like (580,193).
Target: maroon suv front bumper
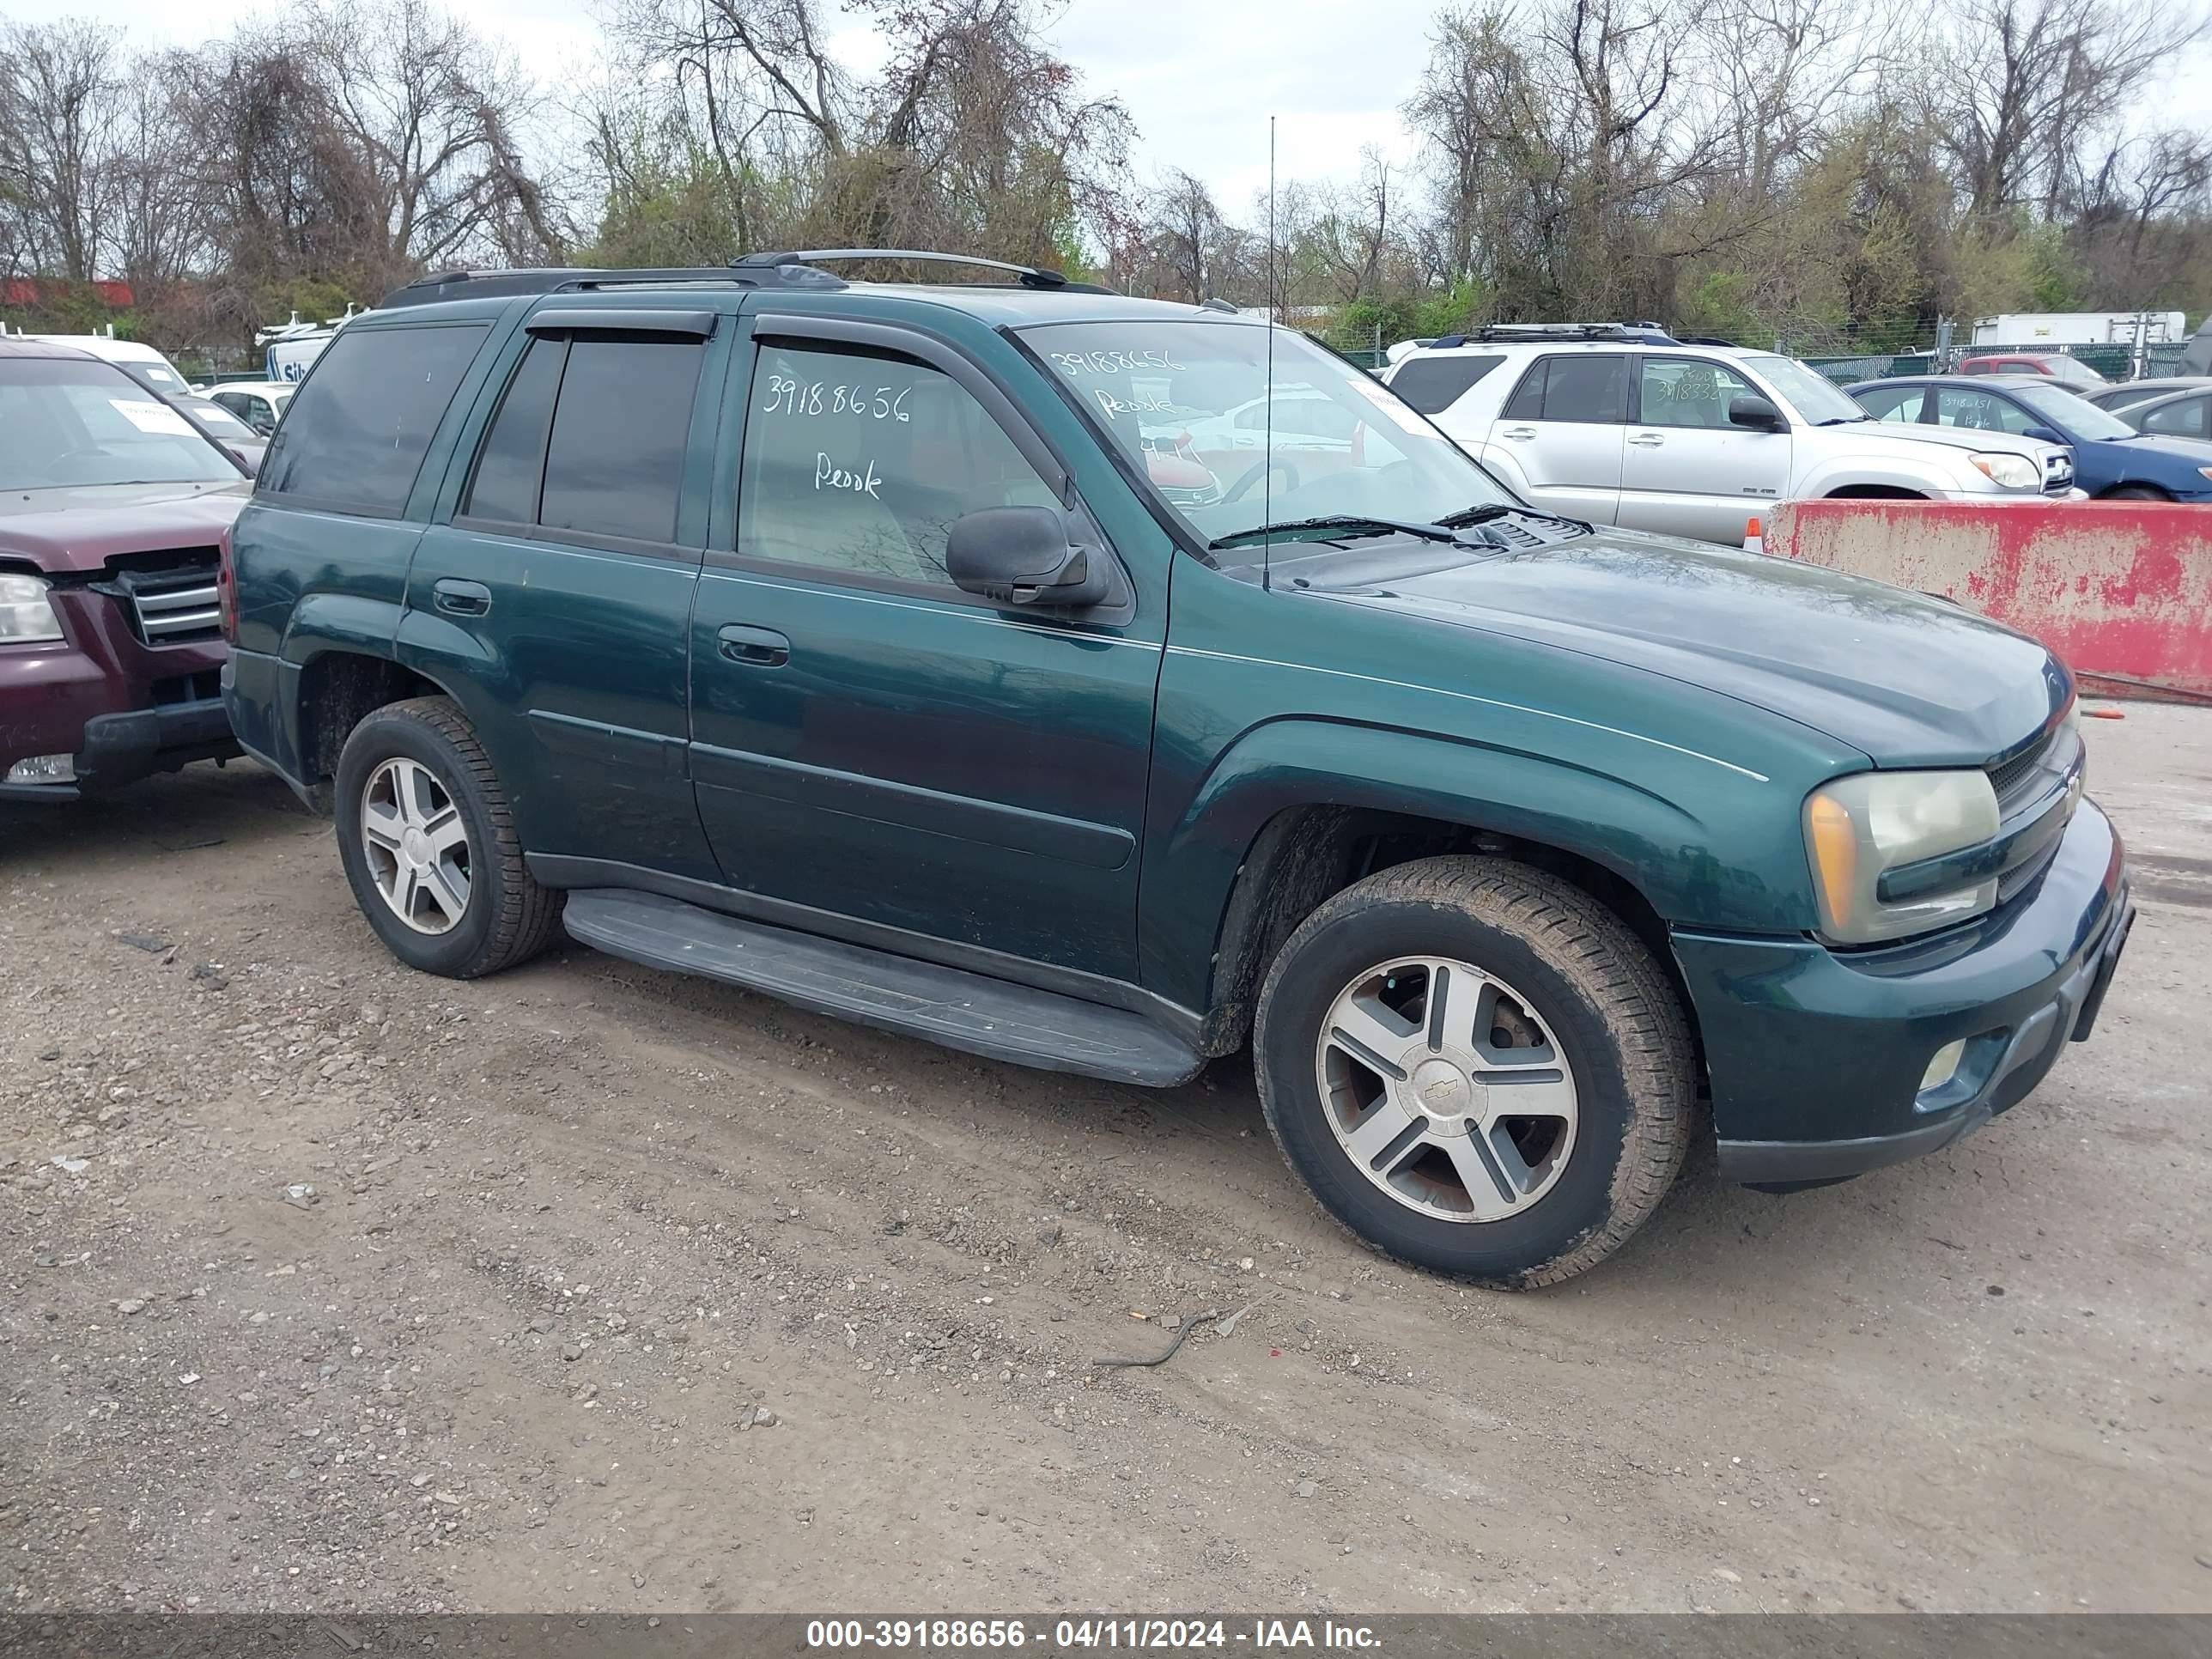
(119,707)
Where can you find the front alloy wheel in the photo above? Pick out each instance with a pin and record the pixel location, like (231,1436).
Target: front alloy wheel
(1477,1066)
(1445,1091)
(416,845)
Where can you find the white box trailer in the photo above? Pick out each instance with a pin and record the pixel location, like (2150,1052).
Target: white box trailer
(2061,328)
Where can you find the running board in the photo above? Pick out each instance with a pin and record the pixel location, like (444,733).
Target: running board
(948,1006)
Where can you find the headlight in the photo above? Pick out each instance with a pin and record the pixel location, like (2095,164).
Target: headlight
(1858,827)
(26,613)
(2012,472)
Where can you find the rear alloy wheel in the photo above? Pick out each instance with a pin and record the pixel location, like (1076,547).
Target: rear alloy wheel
(1477,1068)
(429,847)
(416,845)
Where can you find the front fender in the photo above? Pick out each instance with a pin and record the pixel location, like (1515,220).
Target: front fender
(1661,847)
(1931,474)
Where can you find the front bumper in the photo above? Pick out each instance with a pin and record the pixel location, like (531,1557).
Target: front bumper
(1816,1057)
(121,708)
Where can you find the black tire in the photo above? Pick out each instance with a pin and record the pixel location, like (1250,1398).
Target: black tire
(1609,1008)
(508,917)
(2137,493)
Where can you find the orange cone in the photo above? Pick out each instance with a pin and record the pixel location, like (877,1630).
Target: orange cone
(1754,538)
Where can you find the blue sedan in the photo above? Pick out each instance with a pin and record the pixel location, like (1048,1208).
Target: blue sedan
(2111,458)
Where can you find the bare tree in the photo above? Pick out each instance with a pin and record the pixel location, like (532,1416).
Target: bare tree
(1560,133)
(160,226)
(1785,73)
(979,134)
(1352,236)
(2030,84)
(61,108)
(1187,231)
(975,134)
(432,108)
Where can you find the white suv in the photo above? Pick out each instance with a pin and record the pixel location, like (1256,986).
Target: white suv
(1623,424)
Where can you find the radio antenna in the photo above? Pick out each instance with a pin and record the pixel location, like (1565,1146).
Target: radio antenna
(1267,449)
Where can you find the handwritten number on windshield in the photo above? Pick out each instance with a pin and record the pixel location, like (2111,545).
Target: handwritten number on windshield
(1076,364)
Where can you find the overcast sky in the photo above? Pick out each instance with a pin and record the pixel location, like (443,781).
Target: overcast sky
(1200,77)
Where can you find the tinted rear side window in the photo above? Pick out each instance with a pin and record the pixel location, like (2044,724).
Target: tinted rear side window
(511,466)
(1894,402)
(1526,403)
(615,463)
(2189,417)
(366,416)
(1589,389)
(1432,384)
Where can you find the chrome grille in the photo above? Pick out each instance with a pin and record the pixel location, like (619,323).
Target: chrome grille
(2057,473)
(2036,791)
(2016,779)
(176,605)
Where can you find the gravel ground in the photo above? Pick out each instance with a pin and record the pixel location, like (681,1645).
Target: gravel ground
(327,1286)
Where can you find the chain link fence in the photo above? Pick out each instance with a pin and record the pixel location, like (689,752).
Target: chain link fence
(2114,362)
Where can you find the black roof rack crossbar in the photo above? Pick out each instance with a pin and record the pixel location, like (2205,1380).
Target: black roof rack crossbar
(1644,333)
(1026,276)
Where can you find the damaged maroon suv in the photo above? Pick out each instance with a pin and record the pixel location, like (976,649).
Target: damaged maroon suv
(112,509)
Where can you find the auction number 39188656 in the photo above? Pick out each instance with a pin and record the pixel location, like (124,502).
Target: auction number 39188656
(932,1635)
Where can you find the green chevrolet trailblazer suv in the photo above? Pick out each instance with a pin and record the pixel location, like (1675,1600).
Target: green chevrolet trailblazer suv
(1103,685)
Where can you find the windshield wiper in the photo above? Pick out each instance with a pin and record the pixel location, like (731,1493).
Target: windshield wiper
(1359,523)
(1842,420)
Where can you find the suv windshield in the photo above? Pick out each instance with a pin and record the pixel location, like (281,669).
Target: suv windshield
(1810,392)
(1187,401)
(70,421)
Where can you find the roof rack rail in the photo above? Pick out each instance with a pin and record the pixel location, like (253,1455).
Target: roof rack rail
(1636,333)
(796,269)
(500,284)
(1025,276)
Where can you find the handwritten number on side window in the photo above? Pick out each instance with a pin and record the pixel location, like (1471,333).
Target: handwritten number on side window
(809,399)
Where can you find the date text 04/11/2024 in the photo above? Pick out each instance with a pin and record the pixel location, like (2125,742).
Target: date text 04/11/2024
(1068,1635)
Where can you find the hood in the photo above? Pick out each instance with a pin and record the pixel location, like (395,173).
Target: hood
(2170,449)
(80,527)
(1906,679)
(1904,432)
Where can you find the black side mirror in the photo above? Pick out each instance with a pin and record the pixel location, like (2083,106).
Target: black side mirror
(1754,412)
(1023,556)
(243,459)
(2044,434)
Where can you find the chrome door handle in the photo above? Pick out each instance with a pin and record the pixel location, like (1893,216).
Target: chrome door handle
(755,647)
(1519,434)
(457,598)
(1648,439)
